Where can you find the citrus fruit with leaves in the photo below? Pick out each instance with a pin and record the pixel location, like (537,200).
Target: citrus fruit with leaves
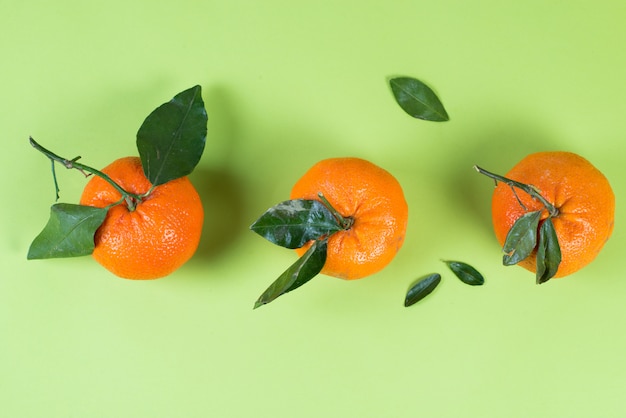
(140,216)
(559,222)
(346,218)
(371,208)
(149,237)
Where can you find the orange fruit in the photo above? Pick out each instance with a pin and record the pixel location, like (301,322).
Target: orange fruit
(582,195)
(154,239)
(373,199)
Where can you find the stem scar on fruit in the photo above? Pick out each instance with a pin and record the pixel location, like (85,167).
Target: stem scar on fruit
(346,222)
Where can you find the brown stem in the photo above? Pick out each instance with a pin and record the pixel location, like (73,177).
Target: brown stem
(530,189)
(130,198)
(345,222)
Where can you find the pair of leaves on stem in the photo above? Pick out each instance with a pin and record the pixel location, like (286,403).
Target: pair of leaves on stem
(426,284)
(292,224)
(170,142)
(524,236)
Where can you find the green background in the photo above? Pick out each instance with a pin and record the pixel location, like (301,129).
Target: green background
(287,84)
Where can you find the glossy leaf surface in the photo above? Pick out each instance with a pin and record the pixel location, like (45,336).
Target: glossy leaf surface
(172,138)
(417,99)
(69,232)
(466,273)
(548,252)
(303,270)
(293,223)
(521,239)
(422,288)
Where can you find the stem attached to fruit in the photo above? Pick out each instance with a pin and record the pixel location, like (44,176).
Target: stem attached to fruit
(345,222)
(530,189)
(130,198)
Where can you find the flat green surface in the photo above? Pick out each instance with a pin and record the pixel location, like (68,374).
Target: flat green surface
(287,84)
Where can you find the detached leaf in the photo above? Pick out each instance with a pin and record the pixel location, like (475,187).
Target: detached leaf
(303,270)
(171,139)
(422,288)
(68,233)
(417,99)
(466,273)
(548,252)
(293,223)
(521,239)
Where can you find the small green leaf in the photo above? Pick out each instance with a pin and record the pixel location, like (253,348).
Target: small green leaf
(466,273)
(422,288)
(303,270)
(69,232)
(548,252)
(417,99)
(293,223)
(521,239)
(172,138)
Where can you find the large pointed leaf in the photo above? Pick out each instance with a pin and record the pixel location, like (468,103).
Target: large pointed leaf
(417,99)
(422,288)
(171,139)
(293,223)
(521,239)
(548,252)
(68,233)
(303,270)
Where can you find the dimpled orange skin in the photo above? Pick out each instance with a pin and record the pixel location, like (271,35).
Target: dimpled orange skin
(373,198)
(582,195)
(155,239)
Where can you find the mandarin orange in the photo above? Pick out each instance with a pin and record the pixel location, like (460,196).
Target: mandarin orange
(154,239)
(579,191)
(373,201)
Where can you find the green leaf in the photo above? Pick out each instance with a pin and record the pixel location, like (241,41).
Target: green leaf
(293,223)
(548,252)
(417,99)
(466,273)
(171,139)
(69,232)
(521,239)
(422,288)
(303,270)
